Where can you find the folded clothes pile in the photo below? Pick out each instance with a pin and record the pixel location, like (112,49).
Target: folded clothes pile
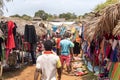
(79,68)
(77,59)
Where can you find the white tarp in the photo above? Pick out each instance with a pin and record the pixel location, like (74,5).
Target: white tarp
(60,23)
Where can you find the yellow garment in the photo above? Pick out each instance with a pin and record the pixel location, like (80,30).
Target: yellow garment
(76,34)
(73,30)
(77,40)
(58,63)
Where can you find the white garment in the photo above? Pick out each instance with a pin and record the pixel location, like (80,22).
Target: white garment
(119,43)
(110,41)
(48,64)
(114,44)
(80,31)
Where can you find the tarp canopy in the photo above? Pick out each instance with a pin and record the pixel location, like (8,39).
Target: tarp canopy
(60,23)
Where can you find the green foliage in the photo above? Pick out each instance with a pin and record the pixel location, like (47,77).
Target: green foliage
(50,17)
(25,17)
(68,16)
(107,3)
(2,4)
(42,14)
(45,16)
(16,15)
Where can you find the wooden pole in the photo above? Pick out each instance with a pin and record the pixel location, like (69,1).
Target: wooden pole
(93,62)
(1,70)
(22,54)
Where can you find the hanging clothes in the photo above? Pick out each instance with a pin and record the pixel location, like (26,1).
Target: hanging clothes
(92,47)
(114,55)
(117,72)
(85,47)
(106,36)
(63,29)
(97,52)
(111,69)
(14,34)
(102,49)
(108,50)
(10,39)
(30,34)
(118,39)
(54,27)
(114,70)
(82,35)
(114,44)
(1,51)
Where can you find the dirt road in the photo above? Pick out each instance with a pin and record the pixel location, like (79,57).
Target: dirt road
(28,74)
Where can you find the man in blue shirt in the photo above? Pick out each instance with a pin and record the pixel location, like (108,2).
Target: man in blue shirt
(66,51)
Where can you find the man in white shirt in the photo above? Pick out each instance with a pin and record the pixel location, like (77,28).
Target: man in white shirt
(47,63)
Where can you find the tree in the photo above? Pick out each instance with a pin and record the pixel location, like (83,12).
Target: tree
(26,17)
(42,14)
(68,16)
(2,4)
(16,15)
(107,3)
(50,17)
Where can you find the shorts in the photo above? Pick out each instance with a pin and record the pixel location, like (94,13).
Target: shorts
(65,59)
(58,51)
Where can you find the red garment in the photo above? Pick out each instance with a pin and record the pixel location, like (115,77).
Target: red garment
(48,52)
(27,46)
(10,39)
(97,57)
(118,37)
(40,46)
(108,48)
(106,36)
(58,42)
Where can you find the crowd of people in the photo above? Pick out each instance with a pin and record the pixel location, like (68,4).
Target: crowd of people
(57,51)
(101,54)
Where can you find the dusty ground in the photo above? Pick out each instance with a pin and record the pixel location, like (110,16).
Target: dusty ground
(27,73)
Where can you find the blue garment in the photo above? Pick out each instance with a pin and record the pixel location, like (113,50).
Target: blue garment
(82,32)
(114,55)
(85,45)
(54,28)
(77,28)
(65,46)
(63,29)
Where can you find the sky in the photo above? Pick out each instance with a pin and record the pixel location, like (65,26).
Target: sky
(29,7)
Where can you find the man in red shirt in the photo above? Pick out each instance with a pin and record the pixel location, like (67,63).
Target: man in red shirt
(58,39)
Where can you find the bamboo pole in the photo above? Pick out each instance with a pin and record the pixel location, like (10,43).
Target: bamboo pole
(1,70)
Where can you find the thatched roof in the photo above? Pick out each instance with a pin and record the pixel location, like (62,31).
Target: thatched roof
(116,30)
(90,26)
(109,19)
(21,25)
(89,31)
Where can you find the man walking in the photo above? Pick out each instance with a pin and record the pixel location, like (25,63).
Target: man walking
(47,63)
(66,51)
